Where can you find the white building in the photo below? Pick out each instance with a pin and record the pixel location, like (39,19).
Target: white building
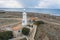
(24,20)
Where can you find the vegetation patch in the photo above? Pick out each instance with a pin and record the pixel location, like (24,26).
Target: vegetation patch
(6,35)
(23,39)
(25,31)
(38,23)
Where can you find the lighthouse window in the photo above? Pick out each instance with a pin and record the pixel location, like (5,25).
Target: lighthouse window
(23,21)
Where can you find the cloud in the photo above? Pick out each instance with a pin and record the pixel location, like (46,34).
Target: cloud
(10,4)
(48,4)
(55,4)
(29,3)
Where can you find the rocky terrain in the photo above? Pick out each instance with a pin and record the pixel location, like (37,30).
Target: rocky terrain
(48,31)
(29,14)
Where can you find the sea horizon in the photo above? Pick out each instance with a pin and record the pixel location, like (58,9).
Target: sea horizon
(55,12)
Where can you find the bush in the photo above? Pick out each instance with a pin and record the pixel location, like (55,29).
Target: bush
(23,39)
(6,35)
(38,23)
(25,31)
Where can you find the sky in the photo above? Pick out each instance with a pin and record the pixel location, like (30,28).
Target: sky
(48,4)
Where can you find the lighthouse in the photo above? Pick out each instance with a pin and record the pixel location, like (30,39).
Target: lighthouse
(24,20)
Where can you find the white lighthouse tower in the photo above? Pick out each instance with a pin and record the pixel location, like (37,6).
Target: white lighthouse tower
(24,20)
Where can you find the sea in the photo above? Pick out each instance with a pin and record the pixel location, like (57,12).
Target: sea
(55,12)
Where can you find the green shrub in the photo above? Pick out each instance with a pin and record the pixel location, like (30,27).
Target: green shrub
(38,23)
(6,35)
(23,39)
(25,31)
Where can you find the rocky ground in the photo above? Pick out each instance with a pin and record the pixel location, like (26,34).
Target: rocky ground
(45,31)
(7,21)
(48,32)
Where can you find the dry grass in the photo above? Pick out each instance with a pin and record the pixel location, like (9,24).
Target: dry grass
(49,30)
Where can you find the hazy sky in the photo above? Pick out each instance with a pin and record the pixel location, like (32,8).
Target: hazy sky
(50,4)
